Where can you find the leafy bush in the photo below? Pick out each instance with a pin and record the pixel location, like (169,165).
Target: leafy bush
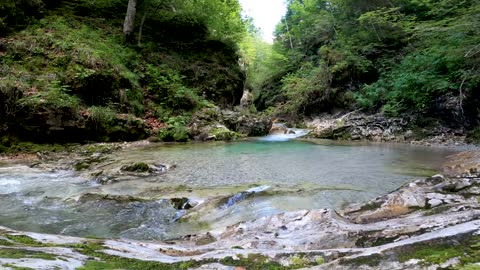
(18,13)
(167,89)
(176,133)
(474,136)
(101,116)
(56,97)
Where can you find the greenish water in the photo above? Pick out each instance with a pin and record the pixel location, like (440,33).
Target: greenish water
(300,175)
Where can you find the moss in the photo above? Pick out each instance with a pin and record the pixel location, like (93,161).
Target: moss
(11,253)
(467,250)
(372,260)
(137,167)
(432,254)
(370,240)
(107,262)
(11,145)
(224,134)
(472,266)
(25,240)
(181,188)
(253,262)
(320,260)
(4,242)
(87,163)
(437,210)
(298,262)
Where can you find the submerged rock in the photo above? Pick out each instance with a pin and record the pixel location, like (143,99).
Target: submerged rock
(141,167)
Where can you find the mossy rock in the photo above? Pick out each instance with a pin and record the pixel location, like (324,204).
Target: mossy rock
(137,167)
(224,134)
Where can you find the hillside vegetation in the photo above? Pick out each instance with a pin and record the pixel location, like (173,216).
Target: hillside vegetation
(396,57)
(76,71)
(67,73)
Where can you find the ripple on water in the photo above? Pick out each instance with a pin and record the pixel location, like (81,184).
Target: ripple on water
(310,175)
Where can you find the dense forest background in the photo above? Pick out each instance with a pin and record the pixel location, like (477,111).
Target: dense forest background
(389,56)
(68,73)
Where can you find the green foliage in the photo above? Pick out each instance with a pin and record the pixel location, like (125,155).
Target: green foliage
(166,88)
(260,61)
(72,61)
(391,56)
(224,134)
(55,97)
(16,14)
(56,61)
(222,18)
(437,67)
(473,136)
(102,117)
(175,131)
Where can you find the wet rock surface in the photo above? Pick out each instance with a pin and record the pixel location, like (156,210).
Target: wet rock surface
(437,214)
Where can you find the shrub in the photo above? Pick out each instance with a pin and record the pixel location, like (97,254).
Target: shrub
(101,116)
(56,97)
(167,89)
(474,136)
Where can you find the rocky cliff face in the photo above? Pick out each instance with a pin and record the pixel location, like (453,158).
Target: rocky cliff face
(379,128)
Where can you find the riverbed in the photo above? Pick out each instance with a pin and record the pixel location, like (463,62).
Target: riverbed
(224,182)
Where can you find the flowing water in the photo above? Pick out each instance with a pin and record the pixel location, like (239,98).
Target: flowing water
(275,177)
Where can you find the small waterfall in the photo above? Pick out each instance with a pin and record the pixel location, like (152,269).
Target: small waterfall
(280,133)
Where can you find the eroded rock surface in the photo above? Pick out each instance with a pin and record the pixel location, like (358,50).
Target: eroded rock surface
(216,124)
(378,127)
(426,224)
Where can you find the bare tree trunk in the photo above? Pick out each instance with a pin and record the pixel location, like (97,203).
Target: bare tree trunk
(141,29)
(129,23)
(289,36)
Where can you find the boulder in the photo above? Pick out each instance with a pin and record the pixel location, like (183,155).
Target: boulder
(208,123)
(358,126)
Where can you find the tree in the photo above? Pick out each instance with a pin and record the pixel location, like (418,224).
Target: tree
(129,23)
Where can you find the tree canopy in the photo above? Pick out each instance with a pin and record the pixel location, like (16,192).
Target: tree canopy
(393,56)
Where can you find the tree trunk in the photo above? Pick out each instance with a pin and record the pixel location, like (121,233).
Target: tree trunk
(129,23)
(141,29)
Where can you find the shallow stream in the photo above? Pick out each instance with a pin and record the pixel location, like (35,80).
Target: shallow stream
(289,175)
